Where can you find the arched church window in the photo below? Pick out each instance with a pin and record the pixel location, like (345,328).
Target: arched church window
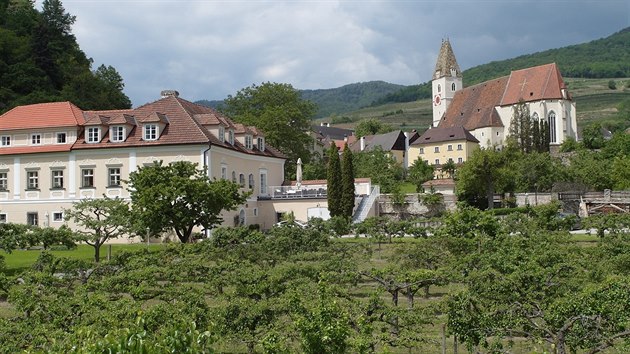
(439,88)
(241,218)
(552,127)
(453,87)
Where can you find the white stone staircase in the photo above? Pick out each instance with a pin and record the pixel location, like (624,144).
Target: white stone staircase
(366,205)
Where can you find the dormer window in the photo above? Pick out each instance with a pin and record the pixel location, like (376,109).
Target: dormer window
(261,144)
(36,139)
(5,140)
(61,138)
(93,135)
(221,134)
(117,133)
(231,137)
(249,142)
(150,132)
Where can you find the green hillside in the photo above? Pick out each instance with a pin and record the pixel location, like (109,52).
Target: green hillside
(595,102)
(349,97)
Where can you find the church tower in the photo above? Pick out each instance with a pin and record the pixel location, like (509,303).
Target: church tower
(447,78)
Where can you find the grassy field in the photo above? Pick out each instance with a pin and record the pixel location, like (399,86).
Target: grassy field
(594,102)
(22,259)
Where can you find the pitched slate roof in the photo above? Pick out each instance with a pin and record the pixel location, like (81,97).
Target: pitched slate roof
(474,106)
(394,140)
(446,62)
(440,134)
(42,115)
(332,132)
(542,82)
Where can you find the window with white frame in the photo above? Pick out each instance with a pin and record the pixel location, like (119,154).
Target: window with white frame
(3,218)
(150,132)
(36,139)
(5,140)
(460,160)
(32,179)
(231,137)
(87,178)
(113,176)
(249,142)
(117,133)
(57,179)
(4,181)
(421,150)
(93,134)
(57,216)
(62,138)
(32,219)
(251,181)
(449,148)
(261,143)
(437,161)
(224,174)
(437,149)
(255,211)
(459,146)
(221,134)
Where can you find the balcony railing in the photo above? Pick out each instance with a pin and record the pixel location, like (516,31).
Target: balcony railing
(294,192)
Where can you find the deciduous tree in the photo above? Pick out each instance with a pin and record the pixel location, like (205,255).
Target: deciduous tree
(180,197)
(100,220)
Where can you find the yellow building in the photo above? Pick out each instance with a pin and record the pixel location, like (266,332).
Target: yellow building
(437,146)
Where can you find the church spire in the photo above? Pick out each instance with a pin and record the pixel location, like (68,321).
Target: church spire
(446,63)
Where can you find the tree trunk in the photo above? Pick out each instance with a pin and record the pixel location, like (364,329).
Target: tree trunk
(97,252)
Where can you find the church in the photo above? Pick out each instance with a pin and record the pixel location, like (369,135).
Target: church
(486,109)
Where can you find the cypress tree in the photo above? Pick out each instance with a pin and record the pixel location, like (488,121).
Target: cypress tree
(347,177)
(334,181)
(536,136)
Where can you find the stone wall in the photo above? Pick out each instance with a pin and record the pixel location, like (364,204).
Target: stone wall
(522,199)
(413,207)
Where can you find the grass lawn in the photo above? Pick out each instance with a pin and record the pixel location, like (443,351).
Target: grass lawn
(21,259)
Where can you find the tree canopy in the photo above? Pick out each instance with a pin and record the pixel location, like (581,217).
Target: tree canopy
(40,61)
(280,112)
(179,197)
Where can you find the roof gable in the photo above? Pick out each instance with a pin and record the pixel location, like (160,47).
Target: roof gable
(534,84)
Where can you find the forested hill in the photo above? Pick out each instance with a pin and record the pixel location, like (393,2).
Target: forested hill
(349,97)
(40,61)
(602,58)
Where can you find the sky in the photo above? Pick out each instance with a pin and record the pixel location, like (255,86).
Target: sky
(209,49)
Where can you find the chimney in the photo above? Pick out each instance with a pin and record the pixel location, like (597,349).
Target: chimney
(169,93)
(362,142)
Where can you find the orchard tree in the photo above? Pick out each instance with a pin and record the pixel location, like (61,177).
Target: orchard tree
(101,220)
(279,111)
(347,180)
(179,196)
(334,182)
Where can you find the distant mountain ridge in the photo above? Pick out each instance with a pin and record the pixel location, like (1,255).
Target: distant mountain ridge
(602,58)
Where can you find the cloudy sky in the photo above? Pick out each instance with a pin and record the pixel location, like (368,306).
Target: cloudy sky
(207,49)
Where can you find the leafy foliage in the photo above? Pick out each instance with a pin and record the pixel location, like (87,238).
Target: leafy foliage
(180,197)
(371,126)
(40,61)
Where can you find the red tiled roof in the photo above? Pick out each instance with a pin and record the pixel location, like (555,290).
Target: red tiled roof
(42,115)
(474,106)
(34,149)
(534,84)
